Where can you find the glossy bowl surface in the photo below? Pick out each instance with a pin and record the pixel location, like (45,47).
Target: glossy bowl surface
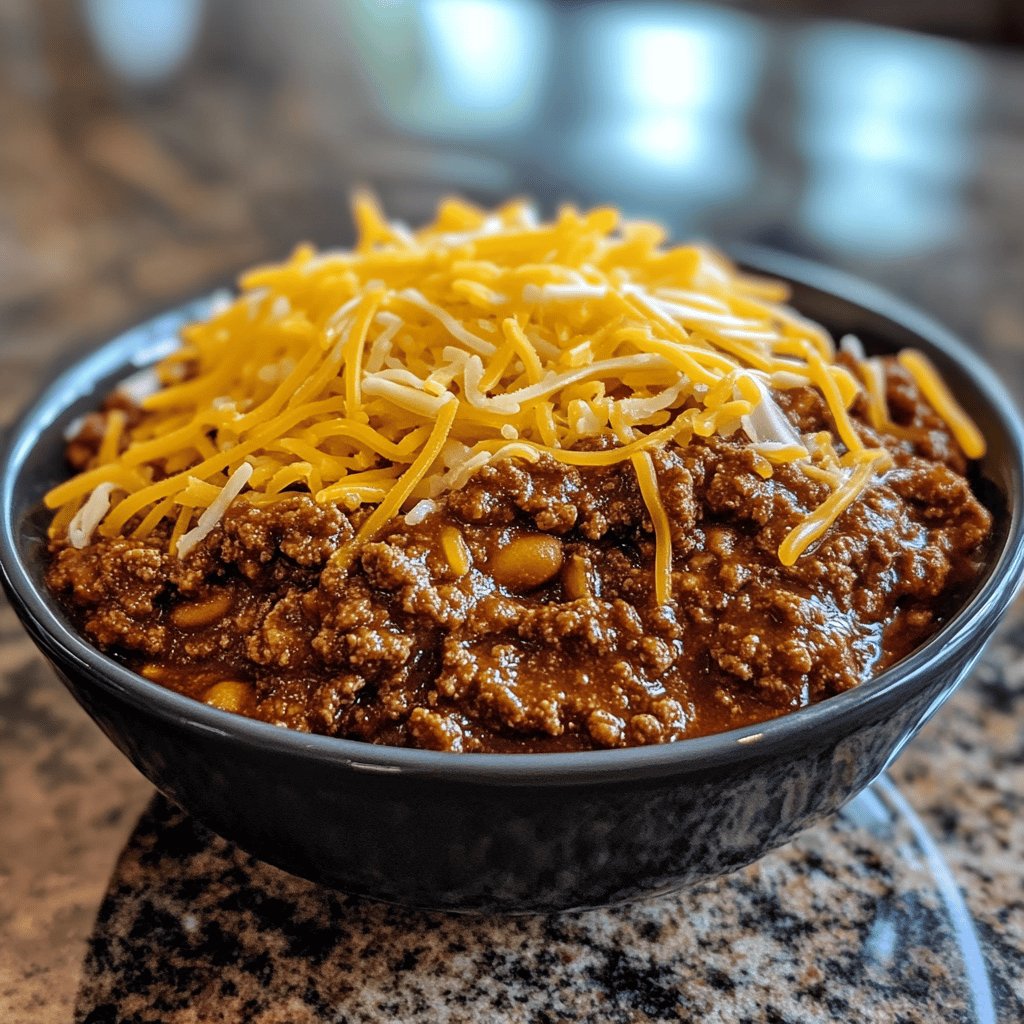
(521,832)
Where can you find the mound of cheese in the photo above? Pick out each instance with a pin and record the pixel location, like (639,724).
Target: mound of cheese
(389,374)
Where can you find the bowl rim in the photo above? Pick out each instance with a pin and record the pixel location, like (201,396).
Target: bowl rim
(871,699)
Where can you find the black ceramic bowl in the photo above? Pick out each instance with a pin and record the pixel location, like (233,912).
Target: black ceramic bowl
(521,832)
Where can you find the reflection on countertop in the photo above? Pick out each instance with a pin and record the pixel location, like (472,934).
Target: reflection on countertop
(152,150)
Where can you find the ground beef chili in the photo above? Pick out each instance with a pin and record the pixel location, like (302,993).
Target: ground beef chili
(551,639)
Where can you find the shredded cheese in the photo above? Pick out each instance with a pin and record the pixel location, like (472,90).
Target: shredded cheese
(420,511)
(648,480)
(389,374)
(215,511)
(403,487)
(934,389)
(84,522)
(817,523)
(116,421)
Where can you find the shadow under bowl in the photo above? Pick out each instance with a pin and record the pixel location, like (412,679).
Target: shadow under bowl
(520,832)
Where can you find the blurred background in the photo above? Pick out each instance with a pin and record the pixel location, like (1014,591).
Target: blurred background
(150,149)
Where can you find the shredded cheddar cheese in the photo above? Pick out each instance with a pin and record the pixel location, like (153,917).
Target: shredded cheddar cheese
(932,386)
(815,525)
(387,375)
(648,481)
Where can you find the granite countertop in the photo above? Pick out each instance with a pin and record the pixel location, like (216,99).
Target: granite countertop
(131,178)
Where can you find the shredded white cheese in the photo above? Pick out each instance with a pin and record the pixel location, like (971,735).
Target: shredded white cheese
(420,511)
(215,512)
(84,522)
(851,345)
(767,422)
(139,386)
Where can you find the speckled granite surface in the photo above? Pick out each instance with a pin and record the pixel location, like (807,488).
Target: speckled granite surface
(119,197)
(846,922)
